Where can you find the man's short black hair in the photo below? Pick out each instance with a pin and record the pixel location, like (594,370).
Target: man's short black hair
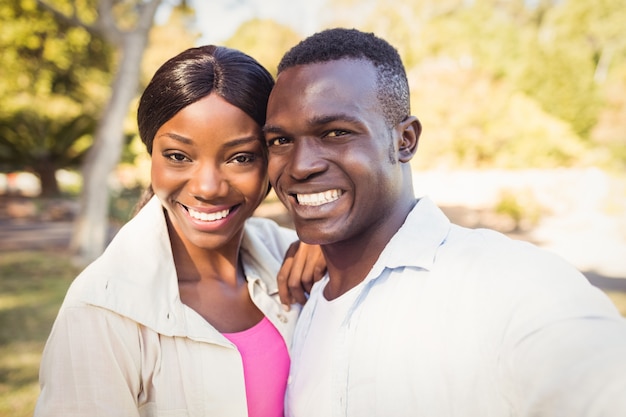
(340,43)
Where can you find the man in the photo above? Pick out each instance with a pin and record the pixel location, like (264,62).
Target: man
(417,316)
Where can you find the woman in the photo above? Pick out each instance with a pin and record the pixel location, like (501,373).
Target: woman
(180,316)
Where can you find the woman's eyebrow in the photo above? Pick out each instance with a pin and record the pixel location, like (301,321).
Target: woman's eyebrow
(178,138)
(241,141)
(231,144)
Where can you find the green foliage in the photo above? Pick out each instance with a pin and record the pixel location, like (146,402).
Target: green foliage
(54,82)
(516,44)
(265,40)
(43,57)
(488,126)
(561,80)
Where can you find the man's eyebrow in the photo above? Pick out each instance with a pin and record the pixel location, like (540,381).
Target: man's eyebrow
(271,129)
(318,121)
(336,117)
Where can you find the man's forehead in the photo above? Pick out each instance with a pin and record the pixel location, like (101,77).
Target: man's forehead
(333,80)
(335,70)
(313,95)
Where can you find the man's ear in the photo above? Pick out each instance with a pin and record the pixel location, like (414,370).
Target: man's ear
(409,130)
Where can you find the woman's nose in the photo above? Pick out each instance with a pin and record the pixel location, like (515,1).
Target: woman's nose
(208,182)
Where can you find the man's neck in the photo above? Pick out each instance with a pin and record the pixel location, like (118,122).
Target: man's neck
(349,261)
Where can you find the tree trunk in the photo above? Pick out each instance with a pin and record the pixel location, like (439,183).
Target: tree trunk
(91,229)
(46,171)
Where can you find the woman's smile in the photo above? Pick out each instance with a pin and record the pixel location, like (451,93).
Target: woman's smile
(206,216)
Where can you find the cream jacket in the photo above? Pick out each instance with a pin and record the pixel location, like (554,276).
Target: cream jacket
(124,344)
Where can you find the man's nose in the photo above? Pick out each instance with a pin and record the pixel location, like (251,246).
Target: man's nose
(307,159)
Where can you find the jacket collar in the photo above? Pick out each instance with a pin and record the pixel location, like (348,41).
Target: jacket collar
(136,277)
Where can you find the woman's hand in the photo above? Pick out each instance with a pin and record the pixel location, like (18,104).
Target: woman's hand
(302,267)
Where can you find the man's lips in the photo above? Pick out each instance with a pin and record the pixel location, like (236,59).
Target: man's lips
(318,199)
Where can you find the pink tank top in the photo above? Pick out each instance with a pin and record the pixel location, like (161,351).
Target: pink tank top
(265,368)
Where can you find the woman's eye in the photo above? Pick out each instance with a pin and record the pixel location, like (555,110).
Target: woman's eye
(176,157)
(244,158)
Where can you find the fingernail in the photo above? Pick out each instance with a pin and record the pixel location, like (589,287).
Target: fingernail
(286,307)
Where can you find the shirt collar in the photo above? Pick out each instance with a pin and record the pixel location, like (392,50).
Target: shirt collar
(417,241)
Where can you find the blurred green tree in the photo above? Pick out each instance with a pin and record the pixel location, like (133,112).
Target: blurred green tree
(51,88)
(254,36)
(518,41)
(44,144)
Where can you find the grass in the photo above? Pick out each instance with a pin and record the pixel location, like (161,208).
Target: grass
(32,287)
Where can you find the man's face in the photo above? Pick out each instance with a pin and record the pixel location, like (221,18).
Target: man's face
(333,160)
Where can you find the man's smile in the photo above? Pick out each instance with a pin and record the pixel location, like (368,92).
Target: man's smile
(318,199)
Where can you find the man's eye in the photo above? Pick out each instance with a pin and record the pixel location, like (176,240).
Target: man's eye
(337,133)
(277,141)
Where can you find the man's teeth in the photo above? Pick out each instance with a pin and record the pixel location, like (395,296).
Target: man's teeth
(318,199)
(208,217)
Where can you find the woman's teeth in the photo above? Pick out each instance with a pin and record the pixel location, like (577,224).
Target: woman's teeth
(318,199)
(208,217)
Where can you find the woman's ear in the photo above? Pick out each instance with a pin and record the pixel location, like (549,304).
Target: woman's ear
(409,130)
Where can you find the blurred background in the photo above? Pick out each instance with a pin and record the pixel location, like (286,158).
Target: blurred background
(523,105)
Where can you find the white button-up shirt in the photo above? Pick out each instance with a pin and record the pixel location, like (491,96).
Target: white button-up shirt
(124,344)
(467,323)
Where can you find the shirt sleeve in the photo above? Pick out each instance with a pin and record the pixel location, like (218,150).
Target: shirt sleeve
(88,366)
(576,367)
(568,351)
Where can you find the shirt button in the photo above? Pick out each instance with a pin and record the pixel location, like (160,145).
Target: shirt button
(282,318)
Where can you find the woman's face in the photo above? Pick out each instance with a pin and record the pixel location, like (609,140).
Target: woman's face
(209,170)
